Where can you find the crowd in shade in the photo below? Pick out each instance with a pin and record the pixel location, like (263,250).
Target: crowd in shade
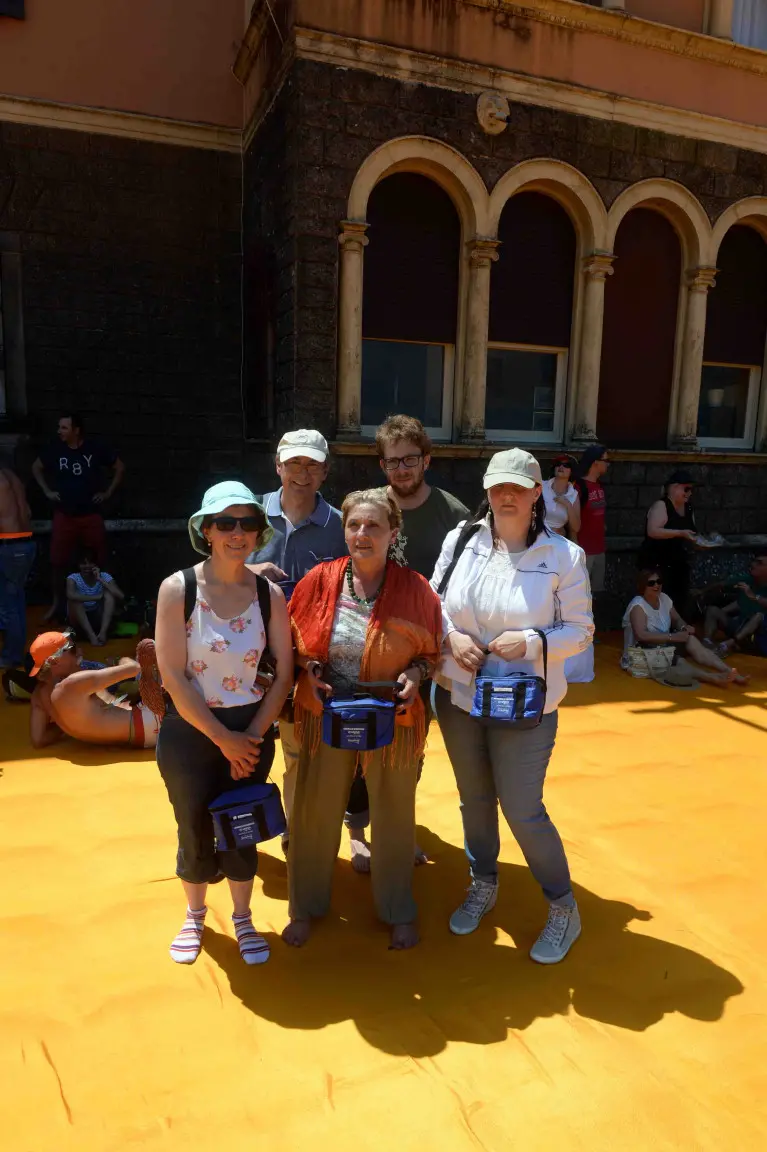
(342,633)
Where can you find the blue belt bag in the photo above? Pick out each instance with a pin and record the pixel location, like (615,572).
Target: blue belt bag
(514,701)
(362,723)
(246,816)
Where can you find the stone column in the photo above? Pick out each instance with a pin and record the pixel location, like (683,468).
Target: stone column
(684,432)
(352,240)
(720,19)
(596,269)
(482,255)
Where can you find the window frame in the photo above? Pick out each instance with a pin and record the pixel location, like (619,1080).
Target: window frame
(526,435)
(444,433)
(752,408)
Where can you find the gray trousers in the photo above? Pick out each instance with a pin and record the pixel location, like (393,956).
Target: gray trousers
(507,767)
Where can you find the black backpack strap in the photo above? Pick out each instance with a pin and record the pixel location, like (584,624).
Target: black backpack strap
(264,602)
(190,592)
(460,546)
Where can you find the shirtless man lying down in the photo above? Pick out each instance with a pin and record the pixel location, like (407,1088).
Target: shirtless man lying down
(68,701)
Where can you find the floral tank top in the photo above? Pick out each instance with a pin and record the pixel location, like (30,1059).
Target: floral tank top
(222,656)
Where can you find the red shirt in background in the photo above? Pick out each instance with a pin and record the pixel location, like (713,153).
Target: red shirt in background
(591,535)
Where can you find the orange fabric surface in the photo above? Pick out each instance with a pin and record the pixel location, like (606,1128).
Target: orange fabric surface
(650,1035)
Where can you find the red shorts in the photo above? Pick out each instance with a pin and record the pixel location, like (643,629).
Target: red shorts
(70,533)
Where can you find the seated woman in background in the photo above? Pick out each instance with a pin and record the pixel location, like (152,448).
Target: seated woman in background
(563,504)
(651,621)
(92,597)
(358,620)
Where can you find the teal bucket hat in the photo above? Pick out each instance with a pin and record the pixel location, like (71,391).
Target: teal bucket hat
(216,500)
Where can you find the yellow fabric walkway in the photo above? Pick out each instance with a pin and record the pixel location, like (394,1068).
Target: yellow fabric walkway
(652,1035)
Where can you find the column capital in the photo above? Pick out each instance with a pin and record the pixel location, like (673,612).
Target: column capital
(701,279)
(352,235)
(599,265)
(483,253)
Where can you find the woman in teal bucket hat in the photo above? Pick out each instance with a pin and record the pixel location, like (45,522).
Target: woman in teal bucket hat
(217,731)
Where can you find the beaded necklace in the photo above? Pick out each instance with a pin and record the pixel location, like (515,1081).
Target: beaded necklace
(366,601)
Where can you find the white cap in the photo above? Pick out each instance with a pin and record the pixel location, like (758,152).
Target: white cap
(515,466)
(303,442)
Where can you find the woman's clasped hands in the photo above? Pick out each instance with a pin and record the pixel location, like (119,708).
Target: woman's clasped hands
(242,750)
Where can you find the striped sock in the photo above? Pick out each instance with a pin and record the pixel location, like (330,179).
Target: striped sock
(253,948)
(186,947)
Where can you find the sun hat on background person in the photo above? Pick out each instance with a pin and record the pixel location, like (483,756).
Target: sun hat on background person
(215,501)
(46,647)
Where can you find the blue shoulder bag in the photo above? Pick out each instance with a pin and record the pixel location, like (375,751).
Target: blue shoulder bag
(247,815)
(363,722)
(515,701)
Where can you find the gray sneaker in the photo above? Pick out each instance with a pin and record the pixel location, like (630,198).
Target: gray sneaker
(563,928)
(481,898)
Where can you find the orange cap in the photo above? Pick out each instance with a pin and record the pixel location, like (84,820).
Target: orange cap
(46,645)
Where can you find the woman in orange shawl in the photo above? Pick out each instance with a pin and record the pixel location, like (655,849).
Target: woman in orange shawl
(355,620)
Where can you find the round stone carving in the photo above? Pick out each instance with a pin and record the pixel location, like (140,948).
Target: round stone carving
(492,112)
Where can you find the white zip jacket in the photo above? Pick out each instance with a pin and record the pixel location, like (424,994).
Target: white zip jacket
(549,590)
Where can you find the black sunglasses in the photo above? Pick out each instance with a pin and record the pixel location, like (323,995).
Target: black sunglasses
(229,523)
(654,583)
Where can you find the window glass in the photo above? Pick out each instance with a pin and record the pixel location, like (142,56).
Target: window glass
(724,393)
(399,377)
(521,390)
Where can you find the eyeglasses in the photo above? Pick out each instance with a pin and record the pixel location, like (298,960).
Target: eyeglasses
(392,463)
(246,523)
(295,466)
(654,583)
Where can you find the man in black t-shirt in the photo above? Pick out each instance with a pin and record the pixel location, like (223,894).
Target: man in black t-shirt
(71,473)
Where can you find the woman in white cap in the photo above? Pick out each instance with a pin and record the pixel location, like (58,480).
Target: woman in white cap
(217,731)
(503,578)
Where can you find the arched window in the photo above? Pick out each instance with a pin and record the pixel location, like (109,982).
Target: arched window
(410,303)
(639,339)
(733,353)
(531,306)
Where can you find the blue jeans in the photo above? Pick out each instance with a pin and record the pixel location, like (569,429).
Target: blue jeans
(505,766)
(16,559)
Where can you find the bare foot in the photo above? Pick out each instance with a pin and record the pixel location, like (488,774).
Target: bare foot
(404,936)
(360,851)
(297,933)
(52,611)
(420,856)
(739,679)
(101,639)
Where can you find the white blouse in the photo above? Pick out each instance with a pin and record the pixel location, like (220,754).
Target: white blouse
(222,656)
(658,620)
(556,515)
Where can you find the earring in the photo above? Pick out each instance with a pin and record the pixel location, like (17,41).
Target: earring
(534,522)
(396,550)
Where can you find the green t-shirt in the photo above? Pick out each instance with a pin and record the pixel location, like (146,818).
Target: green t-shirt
(425,528)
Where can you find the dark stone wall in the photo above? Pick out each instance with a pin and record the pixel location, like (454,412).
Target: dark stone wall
(131,283)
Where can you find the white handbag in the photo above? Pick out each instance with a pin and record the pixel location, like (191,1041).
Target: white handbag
(650,663)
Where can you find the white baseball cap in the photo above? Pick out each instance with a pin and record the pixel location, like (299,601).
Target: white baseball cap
(514,466)
(303,442)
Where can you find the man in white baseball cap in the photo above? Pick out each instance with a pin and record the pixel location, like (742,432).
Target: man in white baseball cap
(307,530)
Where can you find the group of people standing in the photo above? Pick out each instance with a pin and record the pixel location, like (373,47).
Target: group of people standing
(401,585)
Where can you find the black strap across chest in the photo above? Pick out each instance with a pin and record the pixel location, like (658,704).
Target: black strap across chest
(190,596)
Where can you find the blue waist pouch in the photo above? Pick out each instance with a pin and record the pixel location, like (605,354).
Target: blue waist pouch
(361,723)
(246,816)
(515,701)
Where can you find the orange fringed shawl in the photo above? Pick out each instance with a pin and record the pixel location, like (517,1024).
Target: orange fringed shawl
(405,625)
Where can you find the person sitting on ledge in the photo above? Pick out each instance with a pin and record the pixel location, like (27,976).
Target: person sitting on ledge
(92,597)
(652,621)
(743,618)
(69,702)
